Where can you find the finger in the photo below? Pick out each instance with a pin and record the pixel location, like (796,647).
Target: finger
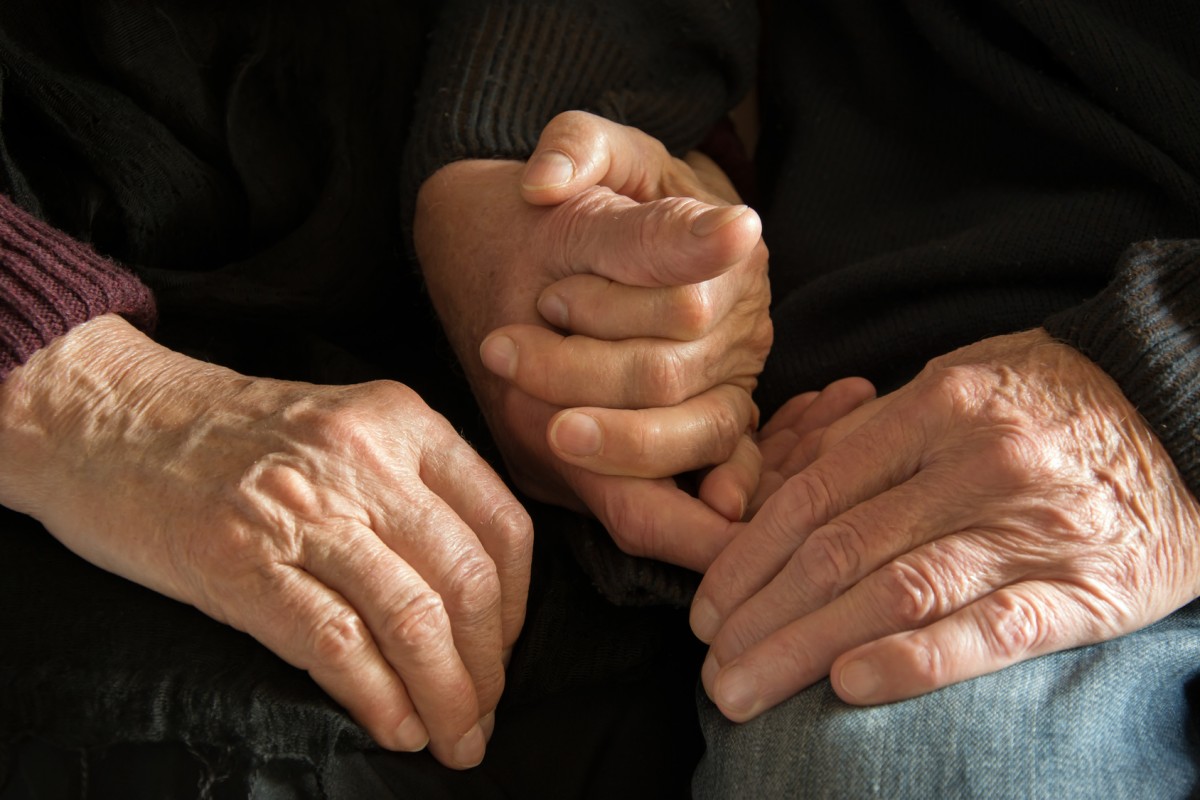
(591,305)
(654,442)
(907,594)
(788,415)
(668,242)
(788,454)
(411,628)
(655,519)
(578,150)
(727,487)
(570,371)
(798,432)
(430,537)
(874,458)
(822,440)
(315,629)
(809,411)
(846,550)
(1005,627)
(477,495)
(776,440)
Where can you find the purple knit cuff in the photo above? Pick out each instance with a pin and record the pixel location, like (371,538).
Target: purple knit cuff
(49,283)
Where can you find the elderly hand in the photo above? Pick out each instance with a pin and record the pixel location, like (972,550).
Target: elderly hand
(349,529)
(663,300)
(1006,503)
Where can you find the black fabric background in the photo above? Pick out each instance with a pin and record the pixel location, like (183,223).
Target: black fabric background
(931,172)
(934,173)
(243,159)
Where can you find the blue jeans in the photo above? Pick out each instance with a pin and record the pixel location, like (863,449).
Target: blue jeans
(1113,720)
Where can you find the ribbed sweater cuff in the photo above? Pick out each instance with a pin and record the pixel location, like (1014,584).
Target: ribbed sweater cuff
(1144,331)
(49,283)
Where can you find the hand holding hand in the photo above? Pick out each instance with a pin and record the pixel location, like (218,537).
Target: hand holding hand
(1006,503)
(666,335)
(349,529)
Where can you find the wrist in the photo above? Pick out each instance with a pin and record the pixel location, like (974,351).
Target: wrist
(66,407)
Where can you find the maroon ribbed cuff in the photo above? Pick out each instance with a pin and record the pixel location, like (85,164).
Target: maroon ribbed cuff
(49,283)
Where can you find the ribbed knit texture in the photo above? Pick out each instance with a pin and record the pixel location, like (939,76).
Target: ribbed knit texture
(49,283)
(1144,330)
(497,72)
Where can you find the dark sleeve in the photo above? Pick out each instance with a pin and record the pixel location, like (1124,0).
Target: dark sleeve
(49,283)
(1143,329)
(497,72)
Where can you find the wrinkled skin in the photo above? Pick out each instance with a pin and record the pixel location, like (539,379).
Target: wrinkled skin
(349,529)
(612,326)
(1006,503)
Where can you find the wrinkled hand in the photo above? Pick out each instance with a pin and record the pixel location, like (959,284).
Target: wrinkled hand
(663,300)
(349,529)
(1006,503)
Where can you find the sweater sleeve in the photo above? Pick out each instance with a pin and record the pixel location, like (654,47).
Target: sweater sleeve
(49,283)
(497,72)
(1143,329)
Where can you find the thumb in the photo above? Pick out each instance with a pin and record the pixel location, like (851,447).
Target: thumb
(675,241)
(578,150)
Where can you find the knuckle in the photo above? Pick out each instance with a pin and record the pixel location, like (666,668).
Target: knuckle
(1012,455)
(811,496)
(909,595)
(474,586)
(727,424)
(834,554)
(513,528)
(762,337)
(928,661)
(951,389)
(696,311)
(629,524)
(341,429)
(1015,625)
(665,376)
(418,623)
(339,637)
(568,224)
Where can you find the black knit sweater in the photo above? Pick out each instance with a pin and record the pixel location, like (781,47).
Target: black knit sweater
(932,173)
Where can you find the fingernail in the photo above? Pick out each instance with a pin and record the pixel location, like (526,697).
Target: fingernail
(737,692)
(412,734)
(861,680)
(488,724)
(577,434)
(713,219)
(547,170)
(469,750)
(704,620)
(554,310)
(499,354)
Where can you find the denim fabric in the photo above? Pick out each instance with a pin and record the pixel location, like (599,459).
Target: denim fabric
(1113,720)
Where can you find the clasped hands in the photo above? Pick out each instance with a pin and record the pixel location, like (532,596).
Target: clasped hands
(609,304)
(1006,503)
